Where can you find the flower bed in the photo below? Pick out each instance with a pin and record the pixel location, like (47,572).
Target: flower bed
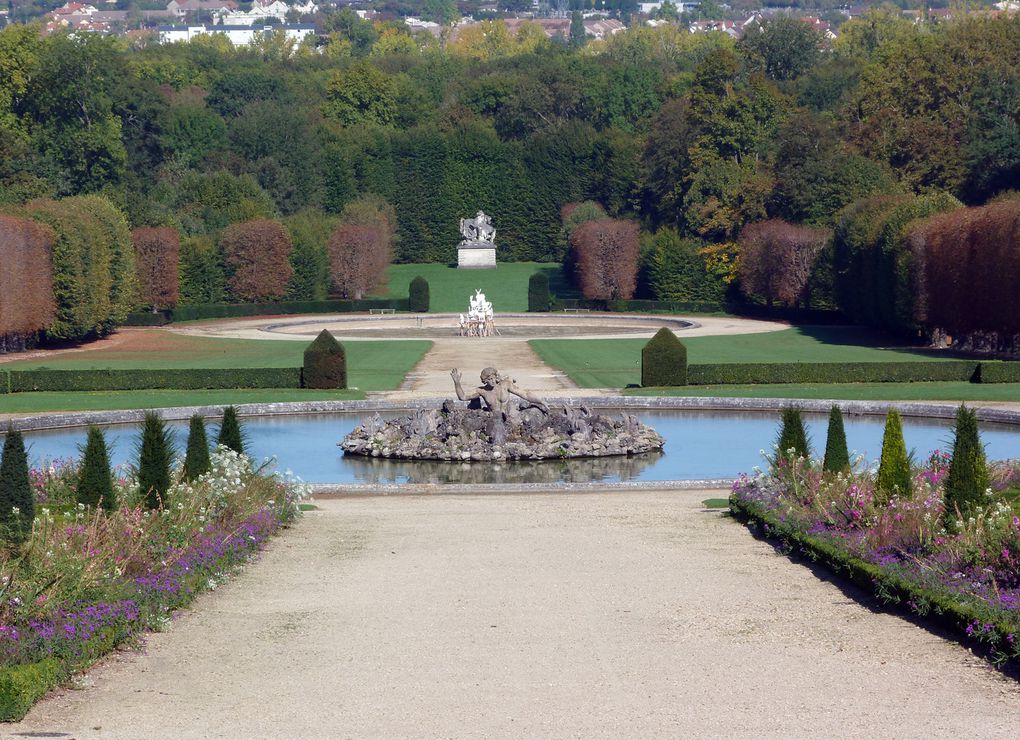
(964,573)
(88,580)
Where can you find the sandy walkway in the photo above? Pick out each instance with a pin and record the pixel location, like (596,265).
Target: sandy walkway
(607,615)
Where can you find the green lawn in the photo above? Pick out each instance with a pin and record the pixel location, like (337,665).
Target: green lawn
(849,391)
(506,286)
(616,363)
(24,403)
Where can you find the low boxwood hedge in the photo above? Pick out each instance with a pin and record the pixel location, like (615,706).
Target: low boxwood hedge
(999,372)
(21,686)
(129,380)
(832,372)
(231,310)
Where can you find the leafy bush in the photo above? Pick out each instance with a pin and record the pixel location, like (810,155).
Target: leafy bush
(17,502)
(230,435)
(325,363)
(999,372)
(663,360)
(894,466)
(95,483)
(183,379)
(837,457)
(793,441)
(196,459)
(968,476)
(539,299)
(154,459)
(21,686)
(418,295)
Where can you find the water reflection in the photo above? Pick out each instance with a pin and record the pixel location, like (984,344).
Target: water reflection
(577,470)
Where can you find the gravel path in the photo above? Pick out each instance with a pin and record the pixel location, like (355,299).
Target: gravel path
(599,615)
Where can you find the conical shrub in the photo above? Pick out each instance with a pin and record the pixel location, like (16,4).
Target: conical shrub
(968,476)
(792,435)
(663,361)
(196,458)
(230,431)
(17,502)
(837,457)
(155,456)
(538,292)
(894,468)
(418,295)
(325,363)
(95,481)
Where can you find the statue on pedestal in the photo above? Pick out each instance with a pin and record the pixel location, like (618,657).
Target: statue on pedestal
(478,229)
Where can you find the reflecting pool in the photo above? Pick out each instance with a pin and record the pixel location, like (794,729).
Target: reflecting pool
(699,445)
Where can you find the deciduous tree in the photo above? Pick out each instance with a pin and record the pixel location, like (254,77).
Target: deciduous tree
(257,255)
(776,259)
(606,258)
(27,305)
(157,258)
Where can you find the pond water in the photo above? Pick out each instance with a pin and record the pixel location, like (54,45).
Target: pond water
(699,445)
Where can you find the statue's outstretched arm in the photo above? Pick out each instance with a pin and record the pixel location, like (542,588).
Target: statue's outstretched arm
(530,398)
(461,395)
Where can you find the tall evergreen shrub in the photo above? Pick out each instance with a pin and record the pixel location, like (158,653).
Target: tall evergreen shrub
(196,459)
(95,482)
(894,467)
(155,456)
(539,299)
(663,360)
(837,457)
(792,434)
(418,295)
(968,476)
(17,503)
(325,363)
(230,431)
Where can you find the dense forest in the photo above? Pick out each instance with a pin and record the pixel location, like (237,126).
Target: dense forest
(693,137)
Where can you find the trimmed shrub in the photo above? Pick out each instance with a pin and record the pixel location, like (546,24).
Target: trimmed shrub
(832,372)
(230,431)
(837,457)
(418,295)
(968,476)
(663,361)
(792,435)
(539,299)
(95,482)
(999,372)
(155,457)
(325,363)
(894,467)
(122,380)
(228,310)
(196,459)
(17,503)
(21,686)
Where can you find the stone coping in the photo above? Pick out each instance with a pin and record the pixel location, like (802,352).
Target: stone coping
(945,410)
(606,318)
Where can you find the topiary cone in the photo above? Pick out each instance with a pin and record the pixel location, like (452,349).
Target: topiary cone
(230,431)
(837,457)
(663,361)
(196,459)
(325,363)
(17,502)
(792,435)
(894,469)
(95,481)
(968,476)
(155,456)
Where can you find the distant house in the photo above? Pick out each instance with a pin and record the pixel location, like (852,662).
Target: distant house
(730,28)
(181,8)
(238,35)
(600,28)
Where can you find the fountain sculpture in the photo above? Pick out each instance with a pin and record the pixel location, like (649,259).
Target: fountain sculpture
(501,422)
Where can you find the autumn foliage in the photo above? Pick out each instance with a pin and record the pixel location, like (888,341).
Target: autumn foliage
(606,255)
(776,259)
(26,281)
(361,247)
(969,269)
(157,253)
(257,256)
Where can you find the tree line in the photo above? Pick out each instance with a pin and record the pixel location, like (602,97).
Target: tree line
(696,139)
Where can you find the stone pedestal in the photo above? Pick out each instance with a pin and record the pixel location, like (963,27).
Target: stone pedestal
(476,255)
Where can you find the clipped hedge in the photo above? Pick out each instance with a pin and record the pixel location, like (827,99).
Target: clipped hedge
(418,295)
(832,372)
(955,615)
(663,361)
(999,372)
(736,308)
(539,299)
(230,310)
(21,686)
(128,380)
